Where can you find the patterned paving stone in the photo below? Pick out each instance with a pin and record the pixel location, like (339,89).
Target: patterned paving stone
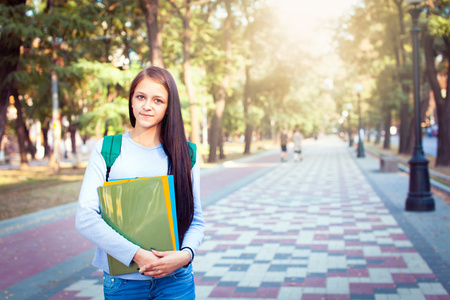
(316,230)
(311,230)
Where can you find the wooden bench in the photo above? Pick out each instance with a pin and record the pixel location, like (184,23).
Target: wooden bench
(388,164)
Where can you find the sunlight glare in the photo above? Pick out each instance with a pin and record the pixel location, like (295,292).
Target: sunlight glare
(311,21)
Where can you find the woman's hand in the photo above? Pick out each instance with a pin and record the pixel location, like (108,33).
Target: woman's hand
(166,263)
(144,257)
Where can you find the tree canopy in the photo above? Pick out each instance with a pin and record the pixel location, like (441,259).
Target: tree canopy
(243,67)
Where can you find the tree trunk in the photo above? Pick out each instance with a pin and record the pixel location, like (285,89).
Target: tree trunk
(47,150)
(443,153)
(404,131)
(247,100)
(213,139)
(55,157)
(112,92)
(4,101)
(387,133)
(248,138)
(195,125)
(380,129)
(73,140)
(105,132)
(442,104)
(409,145)
(221,150)
(98,130)
(9,58)
(400,59)
(20,130)
(150,8)
(423,108)
(216,126)
(29,145)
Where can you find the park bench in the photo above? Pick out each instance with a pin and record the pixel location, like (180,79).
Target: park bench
(388,163)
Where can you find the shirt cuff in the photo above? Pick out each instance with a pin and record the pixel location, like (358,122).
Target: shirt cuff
(191,252)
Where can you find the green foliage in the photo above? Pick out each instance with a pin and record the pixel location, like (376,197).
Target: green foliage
(439,19)
(111,115)
(15,21)
(370,41)
(103,74)
(97,47)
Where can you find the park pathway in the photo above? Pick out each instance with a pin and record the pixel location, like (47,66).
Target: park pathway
(316,229)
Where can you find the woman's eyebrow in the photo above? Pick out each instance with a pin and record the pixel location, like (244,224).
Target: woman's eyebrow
(144,93)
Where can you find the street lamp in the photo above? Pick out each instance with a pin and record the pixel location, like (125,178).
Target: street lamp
(419,195)
(360,150)
(350,139)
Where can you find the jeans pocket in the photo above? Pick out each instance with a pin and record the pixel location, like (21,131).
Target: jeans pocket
(180,285)
(111,284)
(184,274)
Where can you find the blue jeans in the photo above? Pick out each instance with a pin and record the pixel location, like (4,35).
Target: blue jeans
(178,285)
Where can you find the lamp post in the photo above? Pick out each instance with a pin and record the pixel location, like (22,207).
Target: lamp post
(360,150)
(350,139)
(419,195)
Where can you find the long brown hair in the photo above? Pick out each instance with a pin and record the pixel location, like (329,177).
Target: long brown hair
(175,145)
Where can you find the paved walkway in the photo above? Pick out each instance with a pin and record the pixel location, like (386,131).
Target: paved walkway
(329,227)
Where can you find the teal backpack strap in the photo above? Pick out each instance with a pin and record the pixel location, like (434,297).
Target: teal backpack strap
(193,152)
(111,150)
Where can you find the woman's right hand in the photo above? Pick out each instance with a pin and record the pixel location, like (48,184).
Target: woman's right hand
(144,257)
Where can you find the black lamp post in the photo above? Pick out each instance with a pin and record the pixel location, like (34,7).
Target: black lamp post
(350,139)
(419,195)
(360,149)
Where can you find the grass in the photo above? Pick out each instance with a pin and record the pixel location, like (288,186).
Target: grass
(235,151)
(39,187)
(26,191)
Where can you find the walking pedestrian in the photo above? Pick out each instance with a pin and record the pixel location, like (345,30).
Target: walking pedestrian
(297,139)
(155,146)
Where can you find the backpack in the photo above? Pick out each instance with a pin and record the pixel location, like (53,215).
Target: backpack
(112,145)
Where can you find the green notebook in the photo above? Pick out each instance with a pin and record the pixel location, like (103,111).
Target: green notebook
(138,210)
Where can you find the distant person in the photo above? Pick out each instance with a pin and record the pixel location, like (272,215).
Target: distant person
(283,142)
(297,139)
(155,146)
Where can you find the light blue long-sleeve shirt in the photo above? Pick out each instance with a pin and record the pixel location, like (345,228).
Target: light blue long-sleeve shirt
(134,160)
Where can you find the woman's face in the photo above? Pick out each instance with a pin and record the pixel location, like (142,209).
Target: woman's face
(149,102)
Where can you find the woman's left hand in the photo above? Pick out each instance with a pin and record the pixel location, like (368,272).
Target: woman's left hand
(168,262)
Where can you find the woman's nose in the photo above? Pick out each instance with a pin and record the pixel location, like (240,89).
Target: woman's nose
(147,105)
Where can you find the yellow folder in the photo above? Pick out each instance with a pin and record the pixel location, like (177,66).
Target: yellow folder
(143,210)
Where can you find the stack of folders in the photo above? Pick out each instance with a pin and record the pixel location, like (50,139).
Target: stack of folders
(143,210)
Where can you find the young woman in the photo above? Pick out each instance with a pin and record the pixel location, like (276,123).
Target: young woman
(155,146)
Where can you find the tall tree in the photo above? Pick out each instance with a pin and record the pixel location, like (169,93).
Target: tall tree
(380,52)
(20,129)
(405,143)
(150,9)
(436,43)
(187,68)
(11,11)
(220,94)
